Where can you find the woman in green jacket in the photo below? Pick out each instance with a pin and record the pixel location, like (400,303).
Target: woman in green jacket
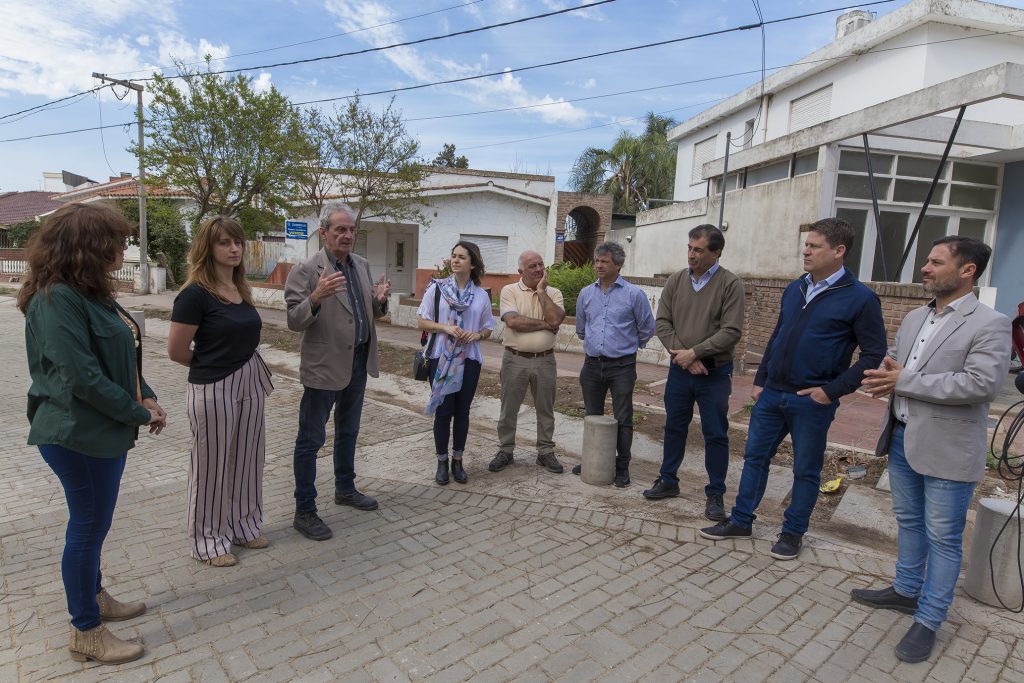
(87,401)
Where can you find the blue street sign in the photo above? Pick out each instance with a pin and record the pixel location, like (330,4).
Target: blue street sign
(296,230)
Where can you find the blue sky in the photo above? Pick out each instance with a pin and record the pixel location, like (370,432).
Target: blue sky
(48,50)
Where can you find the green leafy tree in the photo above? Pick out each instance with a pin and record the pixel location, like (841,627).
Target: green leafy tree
(166,239)
(317,160)
(569,279)
(635,169)
(19,233)
(225,145)
(446,158)
(380,175)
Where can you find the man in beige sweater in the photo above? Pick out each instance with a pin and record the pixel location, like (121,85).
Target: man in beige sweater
(699,321)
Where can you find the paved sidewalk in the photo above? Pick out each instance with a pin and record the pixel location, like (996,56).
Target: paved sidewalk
(521,575)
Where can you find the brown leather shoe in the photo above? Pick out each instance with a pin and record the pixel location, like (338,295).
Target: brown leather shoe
(258,543)
(115,610)
(100,645)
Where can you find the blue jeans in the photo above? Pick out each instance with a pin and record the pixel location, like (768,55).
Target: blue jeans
(90,487)
(314,410)
(711,394)
(931,514)
(776,414)
(455,407)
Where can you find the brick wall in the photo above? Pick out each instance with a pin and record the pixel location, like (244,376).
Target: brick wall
(763,296)
(601,204)
(492,281)
(12,254)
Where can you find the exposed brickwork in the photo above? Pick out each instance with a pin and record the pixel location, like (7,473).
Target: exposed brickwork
(600,203)
(763,296)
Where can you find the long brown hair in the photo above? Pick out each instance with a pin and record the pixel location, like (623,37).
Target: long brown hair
(76,246)
(200,256)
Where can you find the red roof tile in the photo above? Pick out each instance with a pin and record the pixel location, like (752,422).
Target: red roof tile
(22,206)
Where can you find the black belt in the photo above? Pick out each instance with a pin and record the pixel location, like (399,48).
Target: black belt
(529,354)
(607,359)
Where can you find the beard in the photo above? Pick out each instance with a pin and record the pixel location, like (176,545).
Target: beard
(940,287)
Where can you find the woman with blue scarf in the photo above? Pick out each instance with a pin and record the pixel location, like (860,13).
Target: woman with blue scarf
(463,319)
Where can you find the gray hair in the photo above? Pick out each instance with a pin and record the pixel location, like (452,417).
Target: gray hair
(613,249)
(526,254)
(333,207)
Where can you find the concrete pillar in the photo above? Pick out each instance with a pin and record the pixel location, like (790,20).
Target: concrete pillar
(991,515)
(600,433)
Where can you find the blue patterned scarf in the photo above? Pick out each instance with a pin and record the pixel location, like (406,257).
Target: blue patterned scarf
(452,361)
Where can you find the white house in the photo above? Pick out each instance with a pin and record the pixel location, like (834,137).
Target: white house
(798,152)
(503,213)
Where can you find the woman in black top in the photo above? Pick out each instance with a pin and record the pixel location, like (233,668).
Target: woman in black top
(228,385)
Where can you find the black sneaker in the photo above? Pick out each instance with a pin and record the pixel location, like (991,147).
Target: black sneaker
(500,461)
(724,530)
(661,489)
(549,461)
(622,480)
(787,547)
(886,598)
(356,500)
(715,508)
(311,526)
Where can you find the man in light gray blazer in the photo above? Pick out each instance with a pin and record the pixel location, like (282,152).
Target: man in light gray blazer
(333,302)
(949,361)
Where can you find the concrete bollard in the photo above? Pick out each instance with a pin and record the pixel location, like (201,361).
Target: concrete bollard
(992,513)
(600,433)
(140,319)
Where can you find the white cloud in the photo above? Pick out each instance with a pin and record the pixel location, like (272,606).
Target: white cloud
(143,40)
(174,47)
(262,83)
(51,48)
(496,92)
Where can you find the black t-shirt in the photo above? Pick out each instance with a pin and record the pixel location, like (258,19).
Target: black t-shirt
(227,337)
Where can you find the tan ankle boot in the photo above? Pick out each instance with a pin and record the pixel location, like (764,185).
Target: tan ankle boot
(114,610)
(100,645)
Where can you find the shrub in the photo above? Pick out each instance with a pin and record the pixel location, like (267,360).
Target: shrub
(570,279)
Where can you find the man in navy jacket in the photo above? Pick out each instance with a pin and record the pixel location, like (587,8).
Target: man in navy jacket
(805,370)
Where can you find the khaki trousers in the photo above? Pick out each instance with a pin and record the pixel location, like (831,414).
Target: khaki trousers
(517,374)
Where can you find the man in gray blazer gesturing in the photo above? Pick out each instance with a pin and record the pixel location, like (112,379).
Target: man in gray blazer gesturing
(333,302)
(949,361)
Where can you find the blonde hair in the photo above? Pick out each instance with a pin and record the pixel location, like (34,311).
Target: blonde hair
(200,257)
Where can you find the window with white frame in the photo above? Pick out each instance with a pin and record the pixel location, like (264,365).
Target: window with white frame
(810,109)
(493,250)
(703,152)
(963,203)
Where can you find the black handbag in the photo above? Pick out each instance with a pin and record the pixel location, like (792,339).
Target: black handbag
(421,362)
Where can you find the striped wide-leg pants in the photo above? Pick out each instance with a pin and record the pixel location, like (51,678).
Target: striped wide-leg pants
(225,477)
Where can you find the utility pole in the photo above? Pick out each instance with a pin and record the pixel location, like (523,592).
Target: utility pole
(143,239)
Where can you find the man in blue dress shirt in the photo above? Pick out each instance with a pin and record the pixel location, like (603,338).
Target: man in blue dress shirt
(614,319)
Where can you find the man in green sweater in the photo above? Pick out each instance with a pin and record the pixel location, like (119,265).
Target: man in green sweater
(700,320)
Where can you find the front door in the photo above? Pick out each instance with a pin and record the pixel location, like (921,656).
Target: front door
(400,259)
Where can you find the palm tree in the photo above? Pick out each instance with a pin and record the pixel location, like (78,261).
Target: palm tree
(635,169)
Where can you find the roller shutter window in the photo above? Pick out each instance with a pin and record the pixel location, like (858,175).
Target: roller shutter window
(810,109)
(703,152)
(493,250)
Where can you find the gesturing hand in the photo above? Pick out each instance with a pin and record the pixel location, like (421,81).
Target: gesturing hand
(328,285)
(882,382)
(382,289)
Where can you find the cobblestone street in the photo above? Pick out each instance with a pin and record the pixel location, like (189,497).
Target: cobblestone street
(523,577)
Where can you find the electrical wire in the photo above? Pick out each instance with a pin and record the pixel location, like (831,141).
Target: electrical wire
(760,101)
(52,102)
(69,132)
(1010,471)
(419,41)
(606,53)
(307,42)
(103,142)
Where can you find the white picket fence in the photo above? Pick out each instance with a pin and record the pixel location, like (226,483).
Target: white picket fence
(12,267)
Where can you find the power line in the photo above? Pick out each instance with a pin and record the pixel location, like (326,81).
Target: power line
(69,132)
(407,43)
(313,40)
(52,102)
(601,125)
(607,53)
